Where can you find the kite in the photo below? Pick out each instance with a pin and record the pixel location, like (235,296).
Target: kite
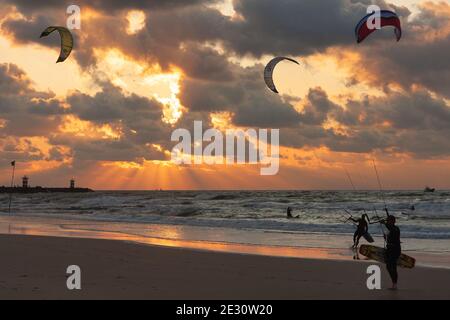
(66,41)
(387,18)
(268,71)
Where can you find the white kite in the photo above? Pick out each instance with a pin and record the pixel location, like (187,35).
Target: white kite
(268,71)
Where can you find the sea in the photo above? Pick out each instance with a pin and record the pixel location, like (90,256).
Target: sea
(420,215)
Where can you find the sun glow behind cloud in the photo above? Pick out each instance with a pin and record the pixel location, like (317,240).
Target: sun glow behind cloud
(331,70)
(81,128)
(173,108)
(147,81)
(136,21)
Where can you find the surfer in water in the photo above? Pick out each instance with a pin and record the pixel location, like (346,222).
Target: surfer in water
(289,214)
(393,248)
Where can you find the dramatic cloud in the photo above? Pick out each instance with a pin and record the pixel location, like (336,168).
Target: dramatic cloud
(25,112)
(419,59)
(414,123)
(246,96)
(217,63)
(139,119)
(28,113)
(103,5)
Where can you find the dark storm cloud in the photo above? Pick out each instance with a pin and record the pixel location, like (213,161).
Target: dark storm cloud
(110,104)
(29,30)
(28,126)
(139,118)
(425,144)
(23,151)
(208,96)
(28,6)
(421,63)
(415,111)
(13,81)
(265,111)
(56,154)
(91,149)
(292,27)
(414,123)
(361,141)
(247,97)
(26,111)
(317,107)
(205,63)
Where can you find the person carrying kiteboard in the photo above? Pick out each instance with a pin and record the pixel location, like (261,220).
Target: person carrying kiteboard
(393,247)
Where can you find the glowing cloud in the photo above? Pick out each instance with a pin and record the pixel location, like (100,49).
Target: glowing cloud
(136,21)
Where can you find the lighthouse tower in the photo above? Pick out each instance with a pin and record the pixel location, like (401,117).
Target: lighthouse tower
(25,182)
(72,183)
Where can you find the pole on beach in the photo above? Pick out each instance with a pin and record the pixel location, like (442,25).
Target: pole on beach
(13,164)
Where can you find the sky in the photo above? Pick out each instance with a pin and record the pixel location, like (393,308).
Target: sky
(141,69)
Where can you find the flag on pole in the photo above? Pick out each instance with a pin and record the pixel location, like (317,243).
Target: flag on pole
(13,165)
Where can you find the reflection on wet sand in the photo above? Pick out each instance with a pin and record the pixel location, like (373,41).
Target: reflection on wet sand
(171,236)
(212,239)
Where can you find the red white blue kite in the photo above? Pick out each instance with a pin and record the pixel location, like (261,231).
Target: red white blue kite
(387,18)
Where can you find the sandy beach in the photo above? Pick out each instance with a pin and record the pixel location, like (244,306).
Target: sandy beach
(34,267)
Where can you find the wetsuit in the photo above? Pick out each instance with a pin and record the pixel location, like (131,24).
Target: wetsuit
(360,231)
(393,251)
(289,213)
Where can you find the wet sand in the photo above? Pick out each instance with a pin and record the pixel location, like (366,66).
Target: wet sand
(34,267)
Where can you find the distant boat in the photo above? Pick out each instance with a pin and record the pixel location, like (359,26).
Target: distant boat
(428,189)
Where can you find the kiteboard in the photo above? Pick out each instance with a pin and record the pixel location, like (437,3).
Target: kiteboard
(368,237)
(378,254)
